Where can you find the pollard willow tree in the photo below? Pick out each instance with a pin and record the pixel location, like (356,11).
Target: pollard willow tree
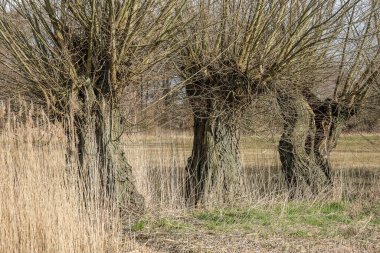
(357,75)
(76,58)
(235,51)
(311,124)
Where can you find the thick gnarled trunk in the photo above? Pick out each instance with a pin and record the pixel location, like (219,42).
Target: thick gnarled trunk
(214,174)
(329,121)
(322,147)
(214,171)
(95,149)
(297,147)
(118,179)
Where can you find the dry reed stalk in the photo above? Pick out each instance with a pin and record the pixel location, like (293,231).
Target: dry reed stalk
(42,209)
(159,163)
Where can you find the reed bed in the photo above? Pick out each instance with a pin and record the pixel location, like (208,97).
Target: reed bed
(42,207)
(44,210)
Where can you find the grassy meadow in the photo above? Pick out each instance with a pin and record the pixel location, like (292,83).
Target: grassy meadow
(41,210)
(346,220)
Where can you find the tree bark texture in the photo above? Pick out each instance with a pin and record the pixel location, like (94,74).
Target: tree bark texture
(297,147)
(322,147)
(214,170)
(330,118)
(94,131)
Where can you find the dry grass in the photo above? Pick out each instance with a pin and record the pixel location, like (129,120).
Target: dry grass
(264,221)
(41,207)
(160,159)
(42,211)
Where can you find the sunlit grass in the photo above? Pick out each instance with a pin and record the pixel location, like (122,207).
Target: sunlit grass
(302,219)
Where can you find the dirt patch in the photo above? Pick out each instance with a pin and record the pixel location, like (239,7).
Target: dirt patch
(244,243)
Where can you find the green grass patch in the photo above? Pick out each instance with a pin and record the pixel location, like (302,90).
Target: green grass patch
(138,226)
(225,219)
(299,219)
(300,233)
(166,224)
(170,224)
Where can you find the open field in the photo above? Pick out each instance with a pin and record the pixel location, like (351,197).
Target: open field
(354,150)
(345,221)
(41,210)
